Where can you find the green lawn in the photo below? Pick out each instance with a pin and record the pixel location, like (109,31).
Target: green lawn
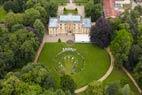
(2,14)
(96,61)
(74,12)
(118,75)
(59,1)
(82,1)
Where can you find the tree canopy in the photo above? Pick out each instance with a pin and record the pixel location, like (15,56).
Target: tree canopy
(121,45)
(101,33)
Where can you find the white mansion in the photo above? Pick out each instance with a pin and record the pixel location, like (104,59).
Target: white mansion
(69,24)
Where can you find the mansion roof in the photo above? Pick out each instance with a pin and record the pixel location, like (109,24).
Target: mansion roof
(54,22)
(71,18)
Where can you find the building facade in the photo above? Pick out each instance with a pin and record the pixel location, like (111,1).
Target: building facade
(69,24)
(120,4)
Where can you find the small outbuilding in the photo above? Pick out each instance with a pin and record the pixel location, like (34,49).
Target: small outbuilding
(82,38)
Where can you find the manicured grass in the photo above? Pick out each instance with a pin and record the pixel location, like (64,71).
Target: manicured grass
(69,62)
(74,12)
(59,1)
(96,61)
(82,1)
(2,14)
(118,75)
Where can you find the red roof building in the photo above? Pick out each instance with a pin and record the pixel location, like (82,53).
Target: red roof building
(113,8)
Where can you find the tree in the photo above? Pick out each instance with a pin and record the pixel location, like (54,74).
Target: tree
(9,5)
(33,79)
(53,92)
(93,10)
(116,24)
(2,71)
(139,9)
(38,74)
(112,89)
(138,73)
(39,26)
(3,1)
(121,46)
(95,88)
(15,5)
(31,15)
(17,48)
(52,6)
(59,40)
(139,37)
(30,3)
(101,33)
(21,5)
(67,83)
(134,56)
(43,13)
(12,18)
(126,90)
(12,85)
(16,27)
(24,45)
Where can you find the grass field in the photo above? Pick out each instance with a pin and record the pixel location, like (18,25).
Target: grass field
(96,61)
(59,1)
(82,1)
(118,75)
(74,12)
(2,14)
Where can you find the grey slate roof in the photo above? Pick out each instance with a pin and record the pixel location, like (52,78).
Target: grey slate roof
(86,22)
(73,18)
(53,22)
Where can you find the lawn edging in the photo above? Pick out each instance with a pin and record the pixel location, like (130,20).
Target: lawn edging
(105,76)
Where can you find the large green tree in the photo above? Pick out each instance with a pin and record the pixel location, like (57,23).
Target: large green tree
(31,15)
(67,83)
(138,73)
(15,5)
(93,10)
(121,45)
(12,85)
(112,88)
(39,27)
(95,88)
(13,18)
(126,90)
(17,48)
(37,73)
